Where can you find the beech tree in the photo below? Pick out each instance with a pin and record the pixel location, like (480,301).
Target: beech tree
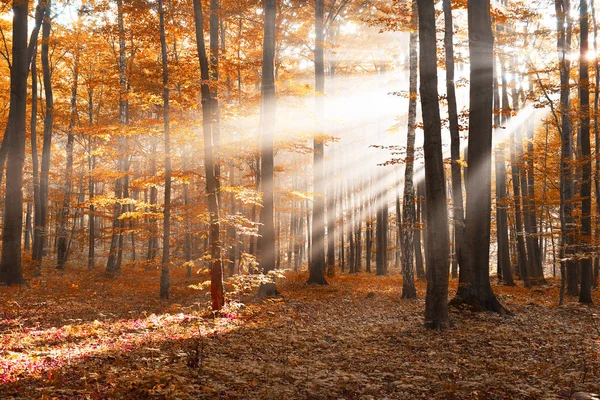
(11,271)
(474,282)
(437,250)
(317,257)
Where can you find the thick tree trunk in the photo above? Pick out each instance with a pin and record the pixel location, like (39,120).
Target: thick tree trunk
(11,271)
(317,264)
(216,263)
(40,12)
(266,240)
(408,210)
(474,287)
(436,307)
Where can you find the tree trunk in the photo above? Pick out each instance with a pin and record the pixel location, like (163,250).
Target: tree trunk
(331,216)
(567,223)
(436,307)
(503,266)
(457,196)
(113,264)
(266,240)
(62,254)
(516,179)
(164,275)
(216,264)
(40,233)
(408,210)
(585,294)
(474,286)
(317,264)
(11,271)
(597,148)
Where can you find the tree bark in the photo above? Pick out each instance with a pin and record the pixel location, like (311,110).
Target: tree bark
(164,274)
(474,285)
(216,264)
(585,293)
(569,265)
(11,271)
(317,264)
(457,196)
(113,264)
(62,253)
(436,307)
(408,210)
(266,240)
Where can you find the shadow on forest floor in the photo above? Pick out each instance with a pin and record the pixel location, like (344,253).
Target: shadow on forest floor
(352,339)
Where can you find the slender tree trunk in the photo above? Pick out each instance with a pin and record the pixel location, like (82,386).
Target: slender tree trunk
(597,147)
(231,233)
(164,275)
(418,229)
(37,212)
(216,264)
(457,196)
(62,254)
(317,264)
(516,179)
(408,210)
(585,294)
(40,238)
(436,307)
(503,266)
(569,266)
(113,264)
(331,227)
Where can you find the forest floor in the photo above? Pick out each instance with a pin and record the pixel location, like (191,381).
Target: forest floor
(83,336)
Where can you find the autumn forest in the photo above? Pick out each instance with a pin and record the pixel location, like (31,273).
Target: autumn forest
(299,199)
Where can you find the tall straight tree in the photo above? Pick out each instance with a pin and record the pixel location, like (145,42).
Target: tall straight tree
(62,246)
(317,255)
(408,209)
(585,293)
(569,266)
(113,263)
(457,194)
(214,245)
(438,249)
(266,239)
(40,230)
(11,271)
(474,279)
(164,275)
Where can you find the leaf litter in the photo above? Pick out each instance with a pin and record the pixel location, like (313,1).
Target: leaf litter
(95,338)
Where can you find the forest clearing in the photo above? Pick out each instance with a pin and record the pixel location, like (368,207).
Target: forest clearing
(355,339)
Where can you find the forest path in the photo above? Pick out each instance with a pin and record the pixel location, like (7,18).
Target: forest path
(355,338)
